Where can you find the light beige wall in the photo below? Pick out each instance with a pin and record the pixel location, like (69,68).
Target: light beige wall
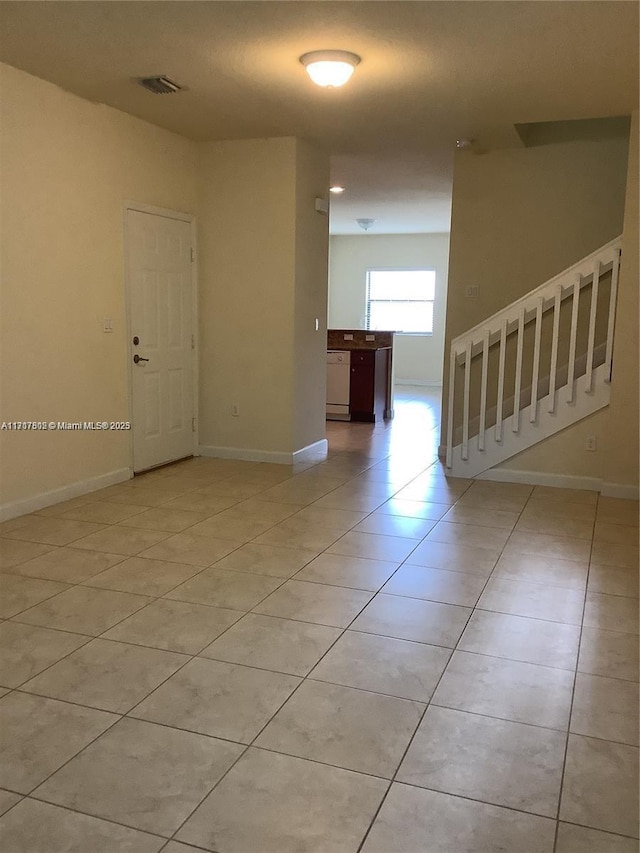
(620,448)
(417,358)
(311,269)
(565,453)
(247,289)
(68,165)
(263,281)
(615,461)
(519,217)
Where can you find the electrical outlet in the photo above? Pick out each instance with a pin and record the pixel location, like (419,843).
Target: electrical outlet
(235,410)
(472,291)
(591,443)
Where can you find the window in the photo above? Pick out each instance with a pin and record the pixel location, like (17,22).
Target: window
(401,301)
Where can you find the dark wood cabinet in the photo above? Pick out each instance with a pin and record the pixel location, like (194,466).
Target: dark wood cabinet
(370,385)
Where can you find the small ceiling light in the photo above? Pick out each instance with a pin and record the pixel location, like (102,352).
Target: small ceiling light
(330,68)
(336,190)
(365,224)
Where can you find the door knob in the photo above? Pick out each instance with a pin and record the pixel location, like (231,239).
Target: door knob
(138,358)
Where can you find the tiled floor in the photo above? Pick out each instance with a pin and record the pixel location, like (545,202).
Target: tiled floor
(354,655)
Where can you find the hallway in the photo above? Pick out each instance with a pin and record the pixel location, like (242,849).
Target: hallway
(355,655)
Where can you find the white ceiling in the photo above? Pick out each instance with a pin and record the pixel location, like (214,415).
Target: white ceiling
(431,72)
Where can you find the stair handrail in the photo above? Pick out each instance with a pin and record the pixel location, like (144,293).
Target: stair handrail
(606,255)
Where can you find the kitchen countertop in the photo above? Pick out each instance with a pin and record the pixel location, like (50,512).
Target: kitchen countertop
(346,348)
(358,339)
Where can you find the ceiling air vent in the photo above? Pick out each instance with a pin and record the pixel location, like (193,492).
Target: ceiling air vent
(159,85)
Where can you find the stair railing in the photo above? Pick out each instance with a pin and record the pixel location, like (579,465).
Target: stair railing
(512,319)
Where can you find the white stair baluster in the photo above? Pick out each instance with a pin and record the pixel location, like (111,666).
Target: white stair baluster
(452,377)
(515,420)
(467,390)
(483,389)
(533,408)
(553,369)
(572,340)
(500,401)
(592,327)
(612,313)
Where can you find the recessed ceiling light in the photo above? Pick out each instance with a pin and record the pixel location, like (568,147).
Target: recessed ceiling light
(330,68)
(336,190)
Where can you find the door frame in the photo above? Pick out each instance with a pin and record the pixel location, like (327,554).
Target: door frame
(180,215)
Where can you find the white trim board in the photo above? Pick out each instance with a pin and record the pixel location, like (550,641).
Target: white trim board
(167,212)
(540,478)
(422,383)
(560,481)
(620,490)
(73,490)
(312,452)
(316,452)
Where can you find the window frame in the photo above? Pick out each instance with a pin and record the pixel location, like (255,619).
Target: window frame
(394,269)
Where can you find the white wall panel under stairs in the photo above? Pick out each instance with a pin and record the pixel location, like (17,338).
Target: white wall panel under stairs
(547,424)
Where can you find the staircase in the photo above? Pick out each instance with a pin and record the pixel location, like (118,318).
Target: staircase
(535,367)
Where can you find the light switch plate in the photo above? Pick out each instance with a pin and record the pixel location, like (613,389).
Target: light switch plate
(348,337)
(107,324)
(369,337)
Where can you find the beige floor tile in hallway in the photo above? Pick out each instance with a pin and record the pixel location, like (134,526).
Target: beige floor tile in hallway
(354,655)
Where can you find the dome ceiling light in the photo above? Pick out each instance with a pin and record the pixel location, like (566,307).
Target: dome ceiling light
(336,190)
(365,224)
(330,68)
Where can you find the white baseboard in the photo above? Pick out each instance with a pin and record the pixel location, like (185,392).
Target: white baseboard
(316,451)
(558,481)
(620,490)
(246,454)
(422,383)
(66,493)
(540,478)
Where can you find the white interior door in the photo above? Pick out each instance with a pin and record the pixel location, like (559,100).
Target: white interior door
(161,342)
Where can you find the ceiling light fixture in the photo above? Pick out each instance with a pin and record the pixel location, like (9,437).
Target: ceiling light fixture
(365,224)
(330,68)
(336,190)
